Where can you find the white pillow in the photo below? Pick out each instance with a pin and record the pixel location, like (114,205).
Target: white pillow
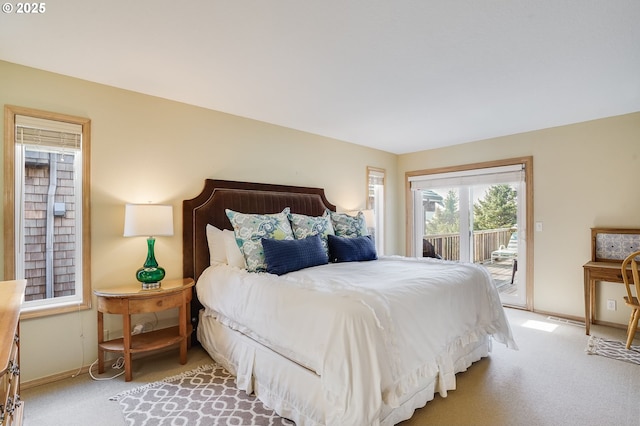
(217,247)
(234,255)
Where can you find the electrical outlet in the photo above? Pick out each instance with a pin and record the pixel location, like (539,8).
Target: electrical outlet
(611,305)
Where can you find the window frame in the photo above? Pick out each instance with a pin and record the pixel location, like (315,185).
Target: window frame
(379,216)
(84,288)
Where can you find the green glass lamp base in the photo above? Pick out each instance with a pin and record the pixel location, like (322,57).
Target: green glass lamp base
(150,274)
(150,277)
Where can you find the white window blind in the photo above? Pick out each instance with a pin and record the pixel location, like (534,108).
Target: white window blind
(47,134)
(490,175)
(376,177)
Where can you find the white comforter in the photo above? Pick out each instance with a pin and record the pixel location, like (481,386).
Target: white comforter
(370,330)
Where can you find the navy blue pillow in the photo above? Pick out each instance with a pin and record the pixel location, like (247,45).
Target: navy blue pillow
(351,249)
(282,256)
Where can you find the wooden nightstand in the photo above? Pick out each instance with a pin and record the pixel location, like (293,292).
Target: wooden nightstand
(131,299)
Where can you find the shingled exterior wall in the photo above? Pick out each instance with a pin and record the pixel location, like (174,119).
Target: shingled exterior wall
(63,250)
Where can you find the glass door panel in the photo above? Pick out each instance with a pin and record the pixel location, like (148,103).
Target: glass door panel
(441,213)
(476,223)
(498,220)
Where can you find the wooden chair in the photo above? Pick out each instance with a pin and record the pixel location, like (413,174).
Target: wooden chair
(630,300)
(508,252)
(428,250)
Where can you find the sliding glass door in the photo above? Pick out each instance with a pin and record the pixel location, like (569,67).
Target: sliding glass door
(475,216)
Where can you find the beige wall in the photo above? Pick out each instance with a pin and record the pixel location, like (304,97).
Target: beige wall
(149,149)
(585,175)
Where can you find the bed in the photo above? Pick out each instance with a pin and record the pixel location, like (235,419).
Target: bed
(349,343)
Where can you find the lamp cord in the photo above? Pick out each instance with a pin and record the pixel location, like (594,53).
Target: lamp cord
(116,365)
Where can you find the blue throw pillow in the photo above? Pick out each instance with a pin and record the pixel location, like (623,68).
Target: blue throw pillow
(351,249)
(282,256)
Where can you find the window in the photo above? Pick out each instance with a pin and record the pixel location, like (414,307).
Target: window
(375,203)
(47,228)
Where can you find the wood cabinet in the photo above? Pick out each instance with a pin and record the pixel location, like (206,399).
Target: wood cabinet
(11,298)
(131,299)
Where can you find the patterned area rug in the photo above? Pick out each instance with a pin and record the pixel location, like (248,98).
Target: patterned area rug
(613,349)
(204,396)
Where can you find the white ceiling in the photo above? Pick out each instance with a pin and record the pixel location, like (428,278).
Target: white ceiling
(398,75)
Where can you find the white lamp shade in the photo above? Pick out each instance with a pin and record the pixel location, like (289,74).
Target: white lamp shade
(148,220)
(369,218)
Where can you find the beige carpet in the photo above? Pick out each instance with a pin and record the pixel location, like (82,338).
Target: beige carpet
(550,381)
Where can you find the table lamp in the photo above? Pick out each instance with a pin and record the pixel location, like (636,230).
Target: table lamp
(369,218)
(149,220)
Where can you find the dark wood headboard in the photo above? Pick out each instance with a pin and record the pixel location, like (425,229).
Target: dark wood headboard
(245,197)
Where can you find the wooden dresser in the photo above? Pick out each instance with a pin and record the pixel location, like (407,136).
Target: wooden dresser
(11,297)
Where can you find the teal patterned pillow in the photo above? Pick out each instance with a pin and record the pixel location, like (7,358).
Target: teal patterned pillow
(306,226)
(249,229)
(346,225)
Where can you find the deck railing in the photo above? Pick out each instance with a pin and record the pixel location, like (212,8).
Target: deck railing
(484,242)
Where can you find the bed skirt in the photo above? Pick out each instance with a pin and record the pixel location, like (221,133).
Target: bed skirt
(295,392)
